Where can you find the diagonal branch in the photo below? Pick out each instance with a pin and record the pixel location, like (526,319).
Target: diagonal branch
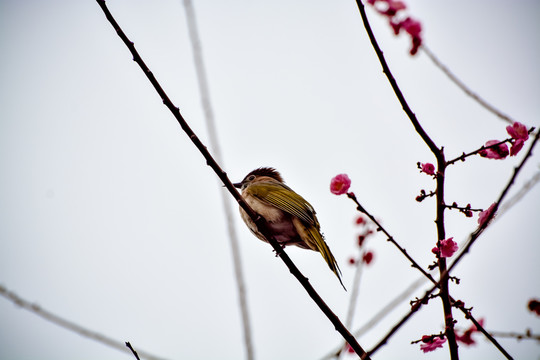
(70,325)
(210,161)
(464,87)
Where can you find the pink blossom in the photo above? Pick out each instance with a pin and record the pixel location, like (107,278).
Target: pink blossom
(416,42)
(466,338)
(360,220)
(483,216)
(412,27)
(393,7)
(428,168)
(518,131)
(497,152)
(431,344)
(340,184)
(368,257)
(447,248)
(517,145)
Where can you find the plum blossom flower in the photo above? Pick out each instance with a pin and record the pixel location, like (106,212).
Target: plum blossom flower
(368,257)
(393,9)
(340,184)
(496,152)
(427,168)
(431,344)
(518,131)
(517,145)
(447,248)
(466,337)
(411,27)
(483,216)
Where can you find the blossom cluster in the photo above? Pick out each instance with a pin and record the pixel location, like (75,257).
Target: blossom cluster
(393,10)
(495,149)
(466,337)
(430,343)
(366,256)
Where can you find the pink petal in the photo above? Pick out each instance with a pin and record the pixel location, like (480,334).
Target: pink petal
(518,131)
(340,184)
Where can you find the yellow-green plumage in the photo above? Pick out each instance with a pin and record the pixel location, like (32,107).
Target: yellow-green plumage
(290,217)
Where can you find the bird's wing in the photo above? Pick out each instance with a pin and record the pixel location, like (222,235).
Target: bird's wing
(285,199)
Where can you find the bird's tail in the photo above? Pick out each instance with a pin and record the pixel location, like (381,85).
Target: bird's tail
(322,247)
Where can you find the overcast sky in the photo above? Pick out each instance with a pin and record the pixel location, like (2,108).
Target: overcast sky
(111,219)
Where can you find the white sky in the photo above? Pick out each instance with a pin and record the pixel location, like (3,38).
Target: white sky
(111,219)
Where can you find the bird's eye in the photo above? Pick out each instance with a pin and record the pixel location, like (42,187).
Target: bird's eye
(251,178)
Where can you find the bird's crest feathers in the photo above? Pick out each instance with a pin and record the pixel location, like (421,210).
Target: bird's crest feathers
(266,171)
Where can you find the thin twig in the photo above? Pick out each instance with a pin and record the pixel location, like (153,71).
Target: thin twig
(353,299)
(132,350)
(210,161)
(381,314)
(389,237)
(527,335)
(464,87)
(214,142)
(69,325)
(482,148)
(519,195)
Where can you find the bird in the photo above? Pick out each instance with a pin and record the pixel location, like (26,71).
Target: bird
(291,219)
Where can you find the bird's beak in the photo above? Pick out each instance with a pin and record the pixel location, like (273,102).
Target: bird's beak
(237,185)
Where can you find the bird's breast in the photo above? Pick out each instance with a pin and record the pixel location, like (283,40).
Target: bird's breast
(279,222)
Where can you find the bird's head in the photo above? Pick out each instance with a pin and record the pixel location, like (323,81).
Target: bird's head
(260,174)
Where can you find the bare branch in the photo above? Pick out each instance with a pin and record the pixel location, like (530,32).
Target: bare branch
(70,325)
(464,87)
(132,350)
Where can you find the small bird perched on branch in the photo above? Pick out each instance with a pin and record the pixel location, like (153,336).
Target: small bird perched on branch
(291,219)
